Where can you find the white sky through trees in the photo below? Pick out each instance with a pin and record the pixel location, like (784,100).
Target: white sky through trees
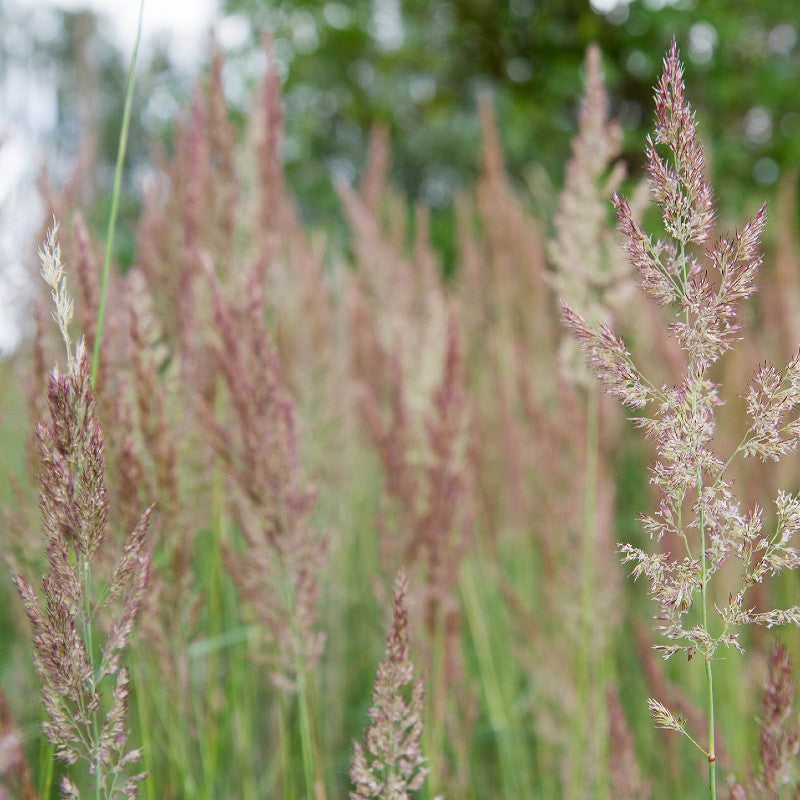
(29,114)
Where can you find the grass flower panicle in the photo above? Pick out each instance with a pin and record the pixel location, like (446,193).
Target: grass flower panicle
(591,272)
(277,574)
(85,717)
(391,765)
(53,274)
(698,505)
(779,739)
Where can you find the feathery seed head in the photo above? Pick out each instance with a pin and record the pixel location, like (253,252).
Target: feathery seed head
(52,272)
(391,766)
(698,505)
(664,718)
(75,509)
(677,184)
(590,270)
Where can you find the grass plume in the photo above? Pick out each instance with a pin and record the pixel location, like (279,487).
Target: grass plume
(698,505)
(390,765)
(84,685)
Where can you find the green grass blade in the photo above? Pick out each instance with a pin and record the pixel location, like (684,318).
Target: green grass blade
(112,217)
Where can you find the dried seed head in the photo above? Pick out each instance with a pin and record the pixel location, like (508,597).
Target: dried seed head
(53,274)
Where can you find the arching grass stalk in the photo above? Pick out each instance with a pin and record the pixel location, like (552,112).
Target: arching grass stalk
(112,217)
(698,508)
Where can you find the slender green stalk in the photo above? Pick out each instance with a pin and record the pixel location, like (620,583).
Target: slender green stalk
(587,680)
(241,711)
(209,726)
(144,732)
(704,578)
(285,748)
(312,774)
(438,693)
(205,730)
(214,665)
(99,781)
(112,217)
(712,759)
(46,776)
(497,703)
(315,786)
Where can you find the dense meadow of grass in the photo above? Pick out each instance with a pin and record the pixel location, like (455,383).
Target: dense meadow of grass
(278,451)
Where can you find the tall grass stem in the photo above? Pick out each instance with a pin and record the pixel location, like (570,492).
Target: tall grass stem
(587,677)
(144,721)
(112,217)
(498,706)
(285,748)
(712,763)
(46,757)
(315,785)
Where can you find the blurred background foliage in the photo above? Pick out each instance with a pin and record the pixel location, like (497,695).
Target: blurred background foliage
(417,66)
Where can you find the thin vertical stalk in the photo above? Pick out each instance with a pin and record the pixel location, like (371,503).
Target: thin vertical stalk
(216,624)
(112,217)
(243,703)
(585,681)
(497,705)
(205,741)
(438,695)
(312,775)
(285,748)
(306,743)
(144,732)
(312,770)
(704,578)
(712,758)
(46,774)
(99,781)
